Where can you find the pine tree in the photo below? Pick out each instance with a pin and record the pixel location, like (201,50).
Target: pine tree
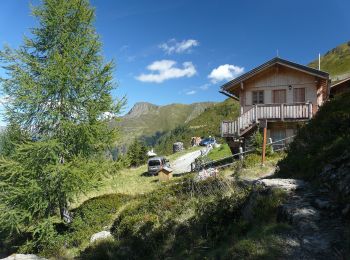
(60,91)
(137,153)
(58,83)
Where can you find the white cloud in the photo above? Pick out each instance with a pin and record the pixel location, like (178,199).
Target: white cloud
(173,46)
(165,69)
(191,92)
(225,72)
(204,86)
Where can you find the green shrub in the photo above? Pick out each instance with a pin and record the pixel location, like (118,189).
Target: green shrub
(324,139)
(251,160)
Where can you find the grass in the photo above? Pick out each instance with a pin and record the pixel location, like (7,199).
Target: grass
(220,152)
(250,168)
(180,219)
(205,223)
(132,181)
(336,61)
(253,169)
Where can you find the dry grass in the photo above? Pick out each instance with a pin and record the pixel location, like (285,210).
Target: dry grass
(253,169)
(131,181)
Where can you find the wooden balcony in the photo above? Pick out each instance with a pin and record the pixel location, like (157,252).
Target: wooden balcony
(269,112)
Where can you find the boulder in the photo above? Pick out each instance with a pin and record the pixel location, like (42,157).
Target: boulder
(23,257)
(100,236)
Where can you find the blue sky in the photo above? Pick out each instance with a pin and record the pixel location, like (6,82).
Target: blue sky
(182,51)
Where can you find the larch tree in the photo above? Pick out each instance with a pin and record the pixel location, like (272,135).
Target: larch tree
(58,88)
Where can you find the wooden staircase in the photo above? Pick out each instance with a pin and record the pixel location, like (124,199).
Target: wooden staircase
(271,112)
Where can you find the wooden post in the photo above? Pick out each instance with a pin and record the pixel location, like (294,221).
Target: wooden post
(264,124)
(240,153)
(282,112)
(310,110)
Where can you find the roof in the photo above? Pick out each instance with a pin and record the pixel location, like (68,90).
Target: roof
(269,64)
(340,82)
(159,158)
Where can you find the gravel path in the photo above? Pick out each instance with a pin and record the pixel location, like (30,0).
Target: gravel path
(183,164)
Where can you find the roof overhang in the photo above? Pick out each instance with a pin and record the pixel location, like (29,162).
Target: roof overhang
(236,83)
(340,82)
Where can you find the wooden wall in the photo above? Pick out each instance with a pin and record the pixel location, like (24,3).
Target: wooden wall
(280,77)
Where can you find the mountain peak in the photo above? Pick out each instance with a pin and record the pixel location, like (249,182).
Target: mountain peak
(140,108)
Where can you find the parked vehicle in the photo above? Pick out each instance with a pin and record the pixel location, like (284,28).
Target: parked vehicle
(156,164)
(207,141)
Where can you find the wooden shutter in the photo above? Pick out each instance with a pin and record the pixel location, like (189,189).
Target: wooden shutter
(279,96)
(299,95)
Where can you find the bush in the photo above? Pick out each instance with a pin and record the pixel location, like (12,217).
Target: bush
(137,153)
(324,139)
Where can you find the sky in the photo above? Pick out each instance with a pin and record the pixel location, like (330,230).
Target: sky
(182,51)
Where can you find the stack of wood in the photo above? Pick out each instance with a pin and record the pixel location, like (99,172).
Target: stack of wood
(178,146)
(195,140)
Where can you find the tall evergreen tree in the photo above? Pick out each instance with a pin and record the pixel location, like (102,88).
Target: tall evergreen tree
(137,153)
(59,90)
(57,80)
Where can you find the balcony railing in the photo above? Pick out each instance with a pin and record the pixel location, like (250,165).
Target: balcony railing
(270,112)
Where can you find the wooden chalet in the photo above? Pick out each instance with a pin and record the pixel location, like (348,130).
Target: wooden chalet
(341,86)
(279,91)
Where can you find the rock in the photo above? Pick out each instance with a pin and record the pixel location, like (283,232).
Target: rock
(23,257)
(100,235)
(322,204)
(178,146)
(285,184)
(346,210)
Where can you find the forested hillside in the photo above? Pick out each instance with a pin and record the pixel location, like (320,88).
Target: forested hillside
(148,122)
(207,123)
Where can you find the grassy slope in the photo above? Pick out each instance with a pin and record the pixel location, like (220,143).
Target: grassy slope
(336,61)
(321,141)
(205,223)
(219,152)
(158,120)
(207,123)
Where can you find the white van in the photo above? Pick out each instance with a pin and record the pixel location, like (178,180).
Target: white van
(156,164)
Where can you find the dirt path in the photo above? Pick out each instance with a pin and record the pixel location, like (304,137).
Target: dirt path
(183,164)
(317,227)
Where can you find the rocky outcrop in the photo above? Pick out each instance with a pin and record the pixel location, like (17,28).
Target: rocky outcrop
(100,236)
(23,257)
(335,182)
(140,108)
(317,227)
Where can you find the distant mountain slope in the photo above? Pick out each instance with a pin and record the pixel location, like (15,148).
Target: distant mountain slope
(146,119)
(207,123)
(336,61)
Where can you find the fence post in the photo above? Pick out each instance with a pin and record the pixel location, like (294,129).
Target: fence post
(241,153)
(310,110)
(270,142)
(282,112)
(264,143)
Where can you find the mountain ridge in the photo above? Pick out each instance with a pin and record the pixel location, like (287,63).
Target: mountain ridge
(335,61)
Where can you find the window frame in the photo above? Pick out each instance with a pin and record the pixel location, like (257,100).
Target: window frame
(294,95)
(260,94)
(274,96)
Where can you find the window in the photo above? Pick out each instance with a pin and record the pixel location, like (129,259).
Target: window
(258,97)
(279,96)
(299,95)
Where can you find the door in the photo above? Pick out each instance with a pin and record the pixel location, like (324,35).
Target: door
(279,96)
